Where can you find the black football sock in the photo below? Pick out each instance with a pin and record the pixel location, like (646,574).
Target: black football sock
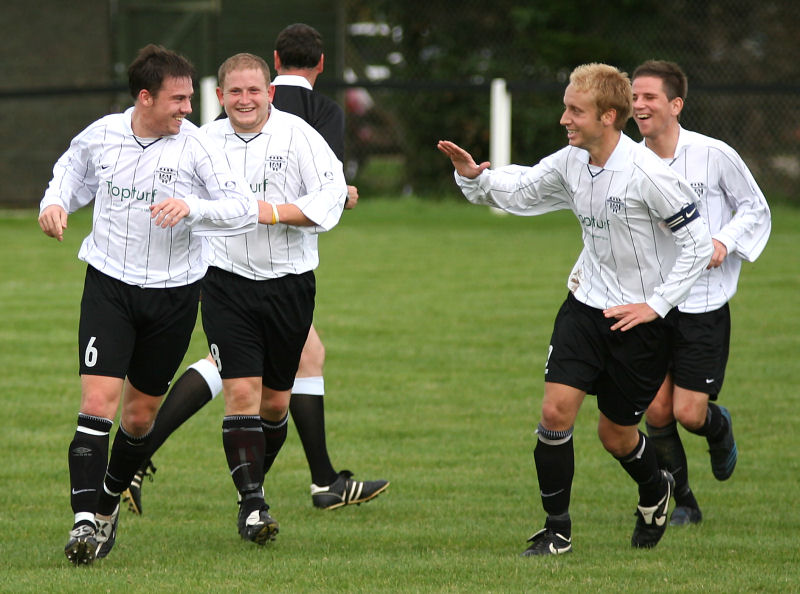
(88,456)
(243,441)
(554,455)
(308,414)
(274,437)
(127,454)
(198,385)
(672,457)
(642,466)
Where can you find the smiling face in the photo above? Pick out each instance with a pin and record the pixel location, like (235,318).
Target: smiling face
(654,113)
(162,114)
(246,97)
(585,126)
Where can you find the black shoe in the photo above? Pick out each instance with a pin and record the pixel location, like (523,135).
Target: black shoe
(345,491)
(81,545)
(106,533)
(545,542)
(133,494)
(723,451)
(651,521)
(257,526)
(683,515)
(553,539)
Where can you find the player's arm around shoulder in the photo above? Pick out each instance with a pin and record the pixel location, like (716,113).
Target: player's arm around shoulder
(223,204)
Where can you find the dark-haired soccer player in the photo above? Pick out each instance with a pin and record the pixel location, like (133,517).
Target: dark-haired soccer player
(644,246)
(738,216)
(157,183)
(299,60)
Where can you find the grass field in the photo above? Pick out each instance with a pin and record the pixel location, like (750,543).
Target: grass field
(436,319)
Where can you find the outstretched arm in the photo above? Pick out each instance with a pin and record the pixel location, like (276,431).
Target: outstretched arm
(463,162)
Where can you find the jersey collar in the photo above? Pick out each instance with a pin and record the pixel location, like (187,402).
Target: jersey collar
(620,157)
(292,80)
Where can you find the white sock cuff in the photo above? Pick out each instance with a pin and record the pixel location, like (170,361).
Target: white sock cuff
(315,386)
(209,372)
(84,517)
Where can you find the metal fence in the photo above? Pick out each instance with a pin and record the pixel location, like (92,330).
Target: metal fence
(410,73)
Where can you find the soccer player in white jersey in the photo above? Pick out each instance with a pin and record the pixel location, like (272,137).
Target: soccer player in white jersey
(644,246)
(738,216)
(157,183)
(299,60)
(258,294)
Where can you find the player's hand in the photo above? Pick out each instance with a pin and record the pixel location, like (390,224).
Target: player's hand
(630,315)
(352,197)
(168,212)
(462,160)
(719,255)
(53,221)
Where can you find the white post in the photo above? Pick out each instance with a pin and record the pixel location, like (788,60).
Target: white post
(500,122)
(500,128)
(209,104)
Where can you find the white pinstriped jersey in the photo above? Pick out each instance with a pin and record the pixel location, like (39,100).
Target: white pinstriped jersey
(106,163)
(733,206)
(287,162)
(643,240)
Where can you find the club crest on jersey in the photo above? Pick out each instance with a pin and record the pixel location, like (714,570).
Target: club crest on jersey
(166,175)
(699,188)
(276,162)
(614,204)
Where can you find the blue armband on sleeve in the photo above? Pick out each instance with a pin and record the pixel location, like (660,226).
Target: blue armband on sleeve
(684,216)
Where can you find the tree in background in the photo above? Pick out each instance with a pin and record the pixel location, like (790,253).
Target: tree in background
(740,57)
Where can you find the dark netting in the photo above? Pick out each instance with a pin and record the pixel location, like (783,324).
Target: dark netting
(411,72)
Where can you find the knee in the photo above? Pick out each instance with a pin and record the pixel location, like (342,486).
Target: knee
(691,415)
(618,440)
(610,442)
(659,414)
(312,359)
(554,417)
(274,405)
(137,422)
(242,397)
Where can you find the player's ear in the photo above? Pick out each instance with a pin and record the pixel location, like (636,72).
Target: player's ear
(321,64)
(276,60)
(609,117)
(676,106)
(219,95)
(145,97)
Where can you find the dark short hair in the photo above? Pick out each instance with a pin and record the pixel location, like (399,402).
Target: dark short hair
(299,46)
(152,65)
(672,77)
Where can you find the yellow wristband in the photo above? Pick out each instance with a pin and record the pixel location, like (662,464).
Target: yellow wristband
(275,217)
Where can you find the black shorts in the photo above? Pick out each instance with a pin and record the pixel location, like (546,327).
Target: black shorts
(624,369)
(126,330)
(700,350)
(258,328)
